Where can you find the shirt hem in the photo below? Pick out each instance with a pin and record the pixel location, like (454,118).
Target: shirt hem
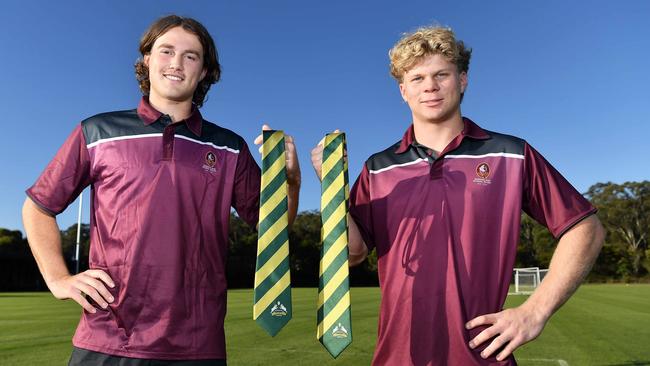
(40,204)
(149,355)
(574,221)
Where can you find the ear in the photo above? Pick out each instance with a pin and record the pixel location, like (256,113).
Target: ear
(463,81)
(145,60)
(402,91)
(203,73)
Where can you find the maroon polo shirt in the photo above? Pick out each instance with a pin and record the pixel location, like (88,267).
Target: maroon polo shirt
(446,230)
(161,195)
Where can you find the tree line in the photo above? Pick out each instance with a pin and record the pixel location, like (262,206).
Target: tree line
(624,210)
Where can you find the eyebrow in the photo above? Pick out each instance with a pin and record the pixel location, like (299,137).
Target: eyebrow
(167,45)
(446,69)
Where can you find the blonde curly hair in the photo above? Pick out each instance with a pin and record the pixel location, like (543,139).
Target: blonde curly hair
(426,41)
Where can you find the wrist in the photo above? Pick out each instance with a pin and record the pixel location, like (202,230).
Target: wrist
(56,284)
(540,312)
(55,277)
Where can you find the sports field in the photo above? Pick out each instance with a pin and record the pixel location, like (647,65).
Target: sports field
(600,325)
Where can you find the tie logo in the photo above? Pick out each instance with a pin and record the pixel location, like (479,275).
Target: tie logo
(209,162)
(278,310)
(339,331)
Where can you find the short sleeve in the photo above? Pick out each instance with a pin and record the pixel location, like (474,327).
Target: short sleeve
(65,177)
(549,198)
(246,190)
(360,207)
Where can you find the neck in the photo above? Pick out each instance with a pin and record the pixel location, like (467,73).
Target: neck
(178,111)
(437,135)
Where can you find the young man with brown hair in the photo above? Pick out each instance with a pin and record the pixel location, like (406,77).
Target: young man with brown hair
(163,182)
(442,207)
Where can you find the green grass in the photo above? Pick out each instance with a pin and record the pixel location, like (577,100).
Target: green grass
(600,325)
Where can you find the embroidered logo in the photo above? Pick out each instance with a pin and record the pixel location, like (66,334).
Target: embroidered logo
(210,159)
(278,310)
(482,173)
(339,331)
(483,170)
(210,162)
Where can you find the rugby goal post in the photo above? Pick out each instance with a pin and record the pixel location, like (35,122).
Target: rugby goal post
(527,279)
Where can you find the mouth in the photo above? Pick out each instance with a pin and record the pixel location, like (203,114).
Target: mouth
(432,102)
(173,77)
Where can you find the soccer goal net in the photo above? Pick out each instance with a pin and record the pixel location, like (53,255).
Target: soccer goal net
(526,280)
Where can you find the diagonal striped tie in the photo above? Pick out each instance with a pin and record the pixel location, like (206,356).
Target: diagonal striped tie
(272,291)
(334,318)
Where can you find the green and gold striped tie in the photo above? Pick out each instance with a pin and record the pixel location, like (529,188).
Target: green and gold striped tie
(334,318)
(272,292)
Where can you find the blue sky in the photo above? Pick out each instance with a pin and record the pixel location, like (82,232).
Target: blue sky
(572,78)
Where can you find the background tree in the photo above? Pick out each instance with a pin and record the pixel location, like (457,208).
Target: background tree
(18,270)
(69,243)
(305,246)
(242,248)
(624,210)
(536,244)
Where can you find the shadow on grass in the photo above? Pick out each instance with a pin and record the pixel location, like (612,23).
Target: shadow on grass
(631,363)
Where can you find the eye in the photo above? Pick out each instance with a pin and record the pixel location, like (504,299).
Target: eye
(166,51)
(192,57)
(442,75)
(417,78)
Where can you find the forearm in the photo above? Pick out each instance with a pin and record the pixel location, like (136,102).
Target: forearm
(45,241)
(293,195)
(572,260)
(357,249)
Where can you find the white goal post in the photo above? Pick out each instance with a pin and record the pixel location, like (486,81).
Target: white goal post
(527,279)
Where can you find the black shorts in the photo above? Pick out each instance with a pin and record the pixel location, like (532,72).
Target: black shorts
(83,357)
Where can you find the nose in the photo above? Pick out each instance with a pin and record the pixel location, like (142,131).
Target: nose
(431,84)
(176,62)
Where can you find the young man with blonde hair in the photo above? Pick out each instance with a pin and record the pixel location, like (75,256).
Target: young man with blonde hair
(163,183)
(442,207)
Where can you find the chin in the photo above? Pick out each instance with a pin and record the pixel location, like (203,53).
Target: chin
(433,118)
(441,116)
(178,97)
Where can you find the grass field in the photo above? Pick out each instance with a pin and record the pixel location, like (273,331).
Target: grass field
(600,325)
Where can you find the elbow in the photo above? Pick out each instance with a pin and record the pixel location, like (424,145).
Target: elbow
(354,259)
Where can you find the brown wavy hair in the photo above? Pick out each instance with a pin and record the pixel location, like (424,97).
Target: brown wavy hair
(425,41)
(210,55)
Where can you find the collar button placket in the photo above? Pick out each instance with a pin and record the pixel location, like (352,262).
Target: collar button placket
(168,142)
